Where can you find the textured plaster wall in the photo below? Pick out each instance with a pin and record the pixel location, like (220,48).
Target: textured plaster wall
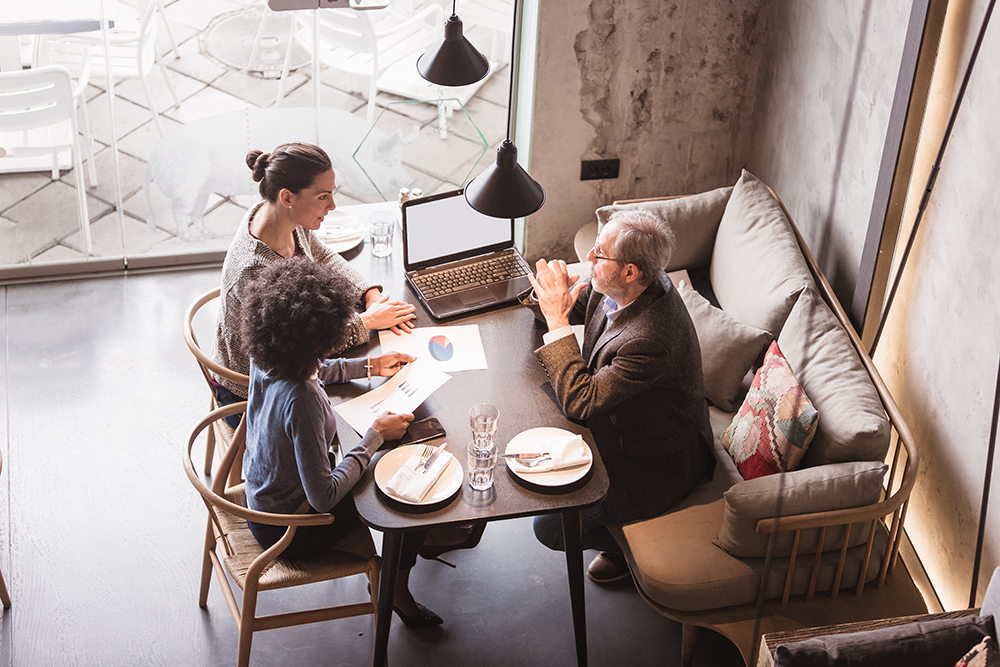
(824,96)
(942,341)
(667,87)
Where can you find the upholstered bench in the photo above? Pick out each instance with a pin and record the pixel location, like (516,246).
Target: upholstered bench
(720,554)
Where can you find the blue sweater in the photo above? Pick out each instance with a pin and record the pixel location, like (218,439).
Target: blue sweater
(290,427)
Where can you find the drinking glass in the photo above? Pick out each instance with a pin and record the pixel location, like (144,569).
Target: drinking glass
(482,462)
(381,225)
(483,419)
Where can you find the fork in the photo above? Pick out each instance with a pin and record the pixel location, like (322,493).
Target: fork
(424,455)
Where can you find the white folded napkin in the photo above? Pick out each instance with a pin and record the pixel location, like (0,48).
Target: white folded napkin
(409,483)
(566,452)
(332,234)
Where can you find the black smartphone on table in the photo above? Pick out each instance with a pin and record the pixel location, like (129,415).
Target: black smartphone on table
(422,430)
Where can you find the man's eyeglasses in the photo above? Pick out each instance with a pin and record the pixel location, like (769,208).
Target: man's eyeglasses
(597,255)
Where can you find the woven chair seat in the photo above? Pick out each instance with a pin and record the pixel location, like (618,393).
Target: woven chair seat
(348,557)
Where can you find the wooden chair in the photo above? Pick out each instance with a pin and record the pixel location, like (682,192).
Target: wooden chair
(220,432)
(4,596)
(229,546)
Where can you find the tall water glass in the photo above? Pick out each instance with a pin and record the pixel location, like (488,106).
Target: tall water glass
(482,458)
(381,226)
(483,419)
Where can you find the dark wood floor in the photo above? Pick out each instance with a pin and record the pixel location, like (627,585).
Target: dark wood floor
(101,531)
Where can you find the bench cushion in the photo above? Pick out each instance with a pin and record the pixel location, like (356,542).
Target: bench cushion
(819,489)
(728,347)
(757,267)
(853,425)
(693,220)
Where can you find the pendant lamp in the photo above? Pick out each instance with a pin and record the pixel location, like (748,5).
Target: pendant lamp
(504,189)
(454,61)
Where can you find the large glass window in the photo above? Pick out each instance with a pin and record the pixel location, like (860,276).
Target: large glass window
(197,84)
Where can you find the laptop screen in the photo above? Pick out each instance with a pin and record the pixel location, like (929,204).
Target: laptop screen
(443,227)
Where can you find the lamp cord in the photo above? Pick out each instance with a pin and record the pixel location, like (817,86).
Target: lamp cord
(514,37)
(931,178)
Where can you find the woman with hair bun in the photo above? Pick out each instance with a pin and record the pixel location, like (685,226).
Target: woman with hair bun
(297,183)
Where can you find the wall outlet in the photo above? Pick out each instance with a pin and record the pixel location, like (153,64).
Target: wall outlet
(597,169)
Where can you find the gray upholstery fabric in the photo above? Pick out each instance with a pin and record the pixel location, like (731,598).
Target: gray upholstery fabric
(819,489)
(728,347)
(938,642)
(757,267)
(693,220)
(991,603)
(852,422)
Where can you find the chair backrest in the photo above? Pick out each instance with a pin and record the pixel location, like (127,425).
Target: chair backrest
(207,364)
(215,495)
(36,97)
(349,29)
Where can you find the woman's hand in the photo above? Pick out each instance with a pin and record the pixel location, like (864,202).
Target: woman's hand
(389,364)
(392,426)
(385,313)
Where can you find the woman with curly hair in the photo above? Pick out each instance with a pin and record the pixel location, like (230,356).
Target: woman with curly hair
(294,314)
(297,183)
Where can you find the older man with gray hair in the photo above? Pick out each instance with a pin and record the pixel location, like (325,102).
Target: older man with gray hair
(637,382)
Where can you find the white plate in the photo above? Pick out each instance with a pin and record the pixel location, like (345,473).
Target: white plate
(536,440)
(337,221)
(448,483)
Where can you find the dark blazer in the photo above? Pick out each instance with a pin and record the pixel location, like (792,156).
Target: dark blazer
(639,388)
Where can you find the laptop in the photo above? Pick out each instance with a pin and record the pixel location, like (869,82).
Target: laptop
(458,260)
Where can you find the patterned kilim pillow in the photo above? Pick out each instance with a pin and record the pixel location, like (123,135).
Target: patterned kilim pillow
(984,654)
(774,425)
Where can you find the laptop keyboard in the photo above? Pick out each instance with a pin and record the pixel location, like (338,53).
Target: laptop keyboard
(497,269)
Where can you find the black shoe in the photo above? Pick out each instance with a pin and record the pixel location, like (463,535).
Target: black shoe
(608,567)
(424,618)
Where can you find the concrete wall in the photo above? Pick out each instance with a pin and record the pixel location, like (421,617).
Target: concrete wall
(823,102)
(665,86)
(824,96)
(941,343)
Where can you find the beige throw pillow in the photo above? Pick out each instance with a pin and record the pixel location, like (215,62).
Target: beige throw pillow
(728,347)
(692,219)
(757,266)
(854,426)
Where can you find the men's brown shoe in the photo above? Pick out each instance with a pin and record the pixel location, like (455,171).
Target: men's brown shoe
(608,567)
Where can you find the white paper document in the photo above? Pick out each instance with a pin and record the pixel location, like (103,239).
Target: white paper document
(455,348)
(402,393)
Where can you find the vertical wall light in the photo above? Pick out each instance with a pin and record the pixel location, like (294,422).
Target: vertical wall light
(504,189)
(453,61)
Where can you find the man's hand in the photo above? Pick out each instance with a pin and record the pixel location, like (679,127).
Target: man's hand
(389,364)
(384,313)
(552,287)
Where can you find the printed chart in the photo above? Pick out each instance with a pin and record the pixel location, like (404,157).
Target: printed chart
(402,393)
(449,349)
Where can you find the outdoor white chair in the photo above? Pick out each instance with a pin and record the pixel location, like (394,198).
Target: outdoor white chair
(132,54)
(366,41)
(38,118)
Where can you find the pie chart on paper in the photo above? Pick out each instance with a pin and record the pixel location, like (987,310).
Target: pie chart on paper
(440,348)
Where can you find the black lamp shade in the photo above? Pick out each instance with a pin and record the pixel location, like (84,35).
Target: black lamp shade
(454,61)
(504,189)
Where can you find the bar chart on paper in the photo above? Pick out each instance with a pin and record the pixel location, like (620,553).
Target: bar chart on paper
(402,393)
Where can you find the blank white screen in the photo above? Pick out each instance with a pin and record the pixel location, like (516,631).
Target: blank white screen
(447,226)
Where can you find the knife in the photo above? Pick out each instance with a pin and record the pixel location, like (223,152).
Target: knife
(433,457)
(524,456)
